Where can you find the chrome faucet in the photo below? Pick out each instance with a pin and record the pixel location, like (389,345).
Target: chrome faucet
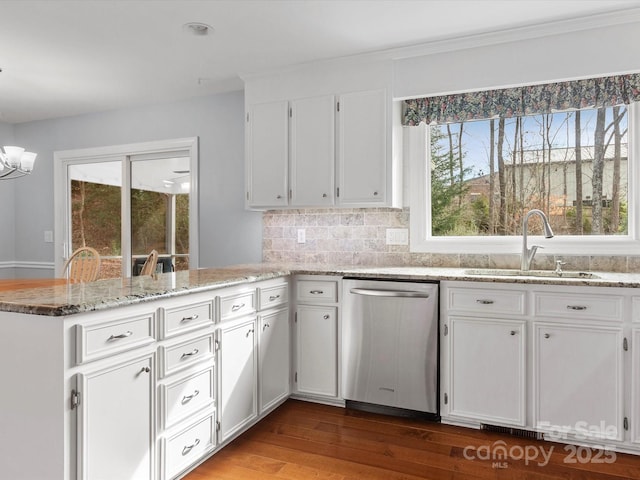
(529,253)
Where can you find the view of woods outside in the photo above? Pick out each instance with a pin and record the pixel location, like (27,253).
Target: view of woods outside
(486,174)
(96,222)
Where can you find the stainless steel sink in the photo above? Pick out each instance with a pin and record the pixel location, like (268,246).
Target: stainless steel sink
(499,272)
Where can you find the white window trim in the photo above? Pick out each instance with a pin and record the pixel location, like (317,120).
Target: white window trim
(420,203)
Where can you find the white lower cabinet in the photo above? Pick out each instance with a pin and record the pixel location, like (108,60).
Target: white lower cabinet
(317,350)
(635,384)
(543,358)
(578,380)
(116,421)
(274,359)
(488,369)
(238,371)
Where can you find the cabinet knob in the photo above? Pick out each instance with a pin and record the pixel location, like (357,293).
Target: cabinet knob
(278,197)
(265,326)
(324,195)
(326,316)
(513,332)
(375,194)
(547,335)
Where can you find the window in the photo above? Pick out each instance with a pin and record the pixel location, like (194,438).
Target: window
(479,176)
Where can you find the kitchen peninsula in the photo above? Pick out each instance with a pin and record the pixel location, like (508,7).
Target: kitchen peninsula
(169,369)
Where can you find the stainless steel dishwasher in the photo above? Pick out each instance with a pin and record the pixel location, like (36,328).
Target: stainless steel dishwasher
(390,347)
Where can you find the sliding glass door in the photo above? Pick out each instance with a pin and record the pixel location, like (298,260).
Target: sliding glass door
(127,205)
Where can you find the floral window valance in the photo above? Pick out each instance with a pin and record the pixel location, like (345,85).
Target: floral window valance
(529,100)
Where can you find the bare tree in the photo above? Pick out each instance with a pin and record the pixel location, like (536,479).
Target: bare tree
(450,136)
(598,171)
(578,144)
(501,180)
(617,156)
(492,181)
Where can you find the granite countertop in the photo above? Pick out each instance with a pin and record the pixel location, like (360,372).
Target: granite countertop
(68,299)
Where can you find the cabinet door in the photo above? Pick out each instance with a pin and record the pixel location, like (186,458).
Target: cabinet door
(267,154)
(274,358)
(116,423)
(578,380)
(635,385)
(237,377)
(362,148)
(317,350)
(488,373)
(312,170)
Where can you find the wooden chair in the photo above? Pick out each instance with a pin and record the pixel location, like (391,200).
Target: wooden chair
(149,267)
(83,265)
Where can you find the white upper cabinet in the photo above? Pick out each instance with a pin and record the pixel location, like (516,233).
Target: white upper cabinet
(267,154)
(363,157)
(312,154)
(298,151)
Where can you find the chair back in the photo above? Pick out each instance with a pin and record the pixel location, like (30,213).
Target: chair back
(149,267)
(83,265)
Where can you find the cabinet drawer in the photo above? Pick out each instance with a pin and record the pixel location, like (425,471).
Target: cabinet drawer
(317,291)
(109,338)
(579,306)
(635,309)
(273,296)
(236,305)
(185,318)
(479,301)
(177,357)
(186,396)
(188,446)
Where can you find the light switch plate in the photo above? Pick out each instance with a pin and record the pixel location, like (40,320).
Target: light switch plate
(302,235)
(48,236)
(397,236)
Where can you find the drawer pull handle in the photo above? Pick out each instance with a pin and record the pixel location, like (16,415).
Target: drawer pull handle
(192,317)
(576,307)
(237,307)
(316,292)
(274,297)
(265,326)
(126,334)
(188,398)
(484,301)
(144,370)
(250,331)
(190,354)
(188,448)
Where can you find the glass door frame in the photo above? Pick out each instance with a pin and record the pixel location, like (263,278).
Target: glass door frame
(123,153)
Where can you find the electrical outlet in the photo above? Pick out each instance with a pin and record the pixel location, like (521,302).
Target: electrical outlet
(302,235)
(397,236)
(48,236)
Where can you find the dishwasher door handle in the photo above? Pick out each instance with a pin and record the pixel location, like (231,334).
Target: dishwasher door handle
(389,293)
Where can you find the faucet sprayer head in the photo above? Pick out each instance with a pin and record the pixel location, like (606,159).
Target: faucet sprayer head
(548,233)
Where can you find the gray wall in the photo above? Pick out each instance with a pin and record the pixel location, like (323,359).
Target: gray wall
(7,189)
(228,233)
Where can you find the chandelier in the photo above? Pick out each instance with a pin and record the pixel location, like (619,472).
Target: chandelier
(15,162)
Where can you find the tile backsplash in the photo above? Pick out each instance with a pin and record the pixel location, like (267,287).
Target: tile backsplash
(358,237)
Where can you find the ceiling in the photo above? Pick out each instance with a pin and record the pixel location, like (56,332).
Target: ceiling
(61,58)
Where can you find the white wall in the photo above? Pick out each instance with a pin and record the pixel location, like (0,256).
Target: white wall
(228,233)
(579,54)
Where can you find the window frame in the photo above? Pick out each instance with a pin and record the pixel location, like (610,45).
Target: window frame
(421,241)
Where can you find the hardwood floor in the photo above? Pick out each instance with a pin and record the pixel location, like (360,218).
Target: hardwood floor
(309,441)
